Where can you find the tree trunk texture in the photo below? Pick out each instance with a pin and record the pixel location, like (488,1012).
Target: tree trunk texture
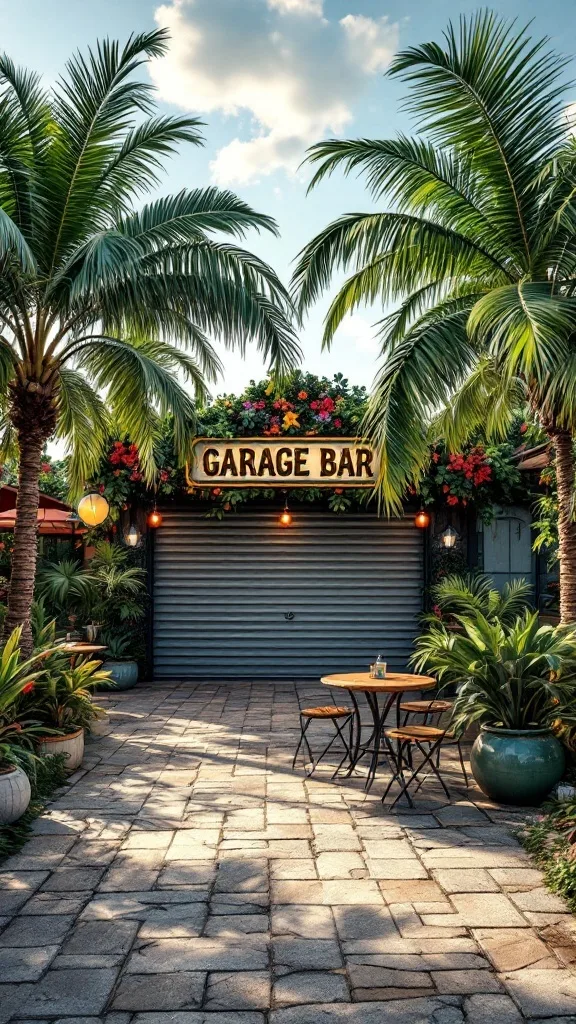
(562,440)
(34,418)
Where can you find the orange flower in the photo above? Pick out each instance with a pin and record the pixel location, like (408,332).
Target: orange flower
(290,420)
(274,429)
(302,395)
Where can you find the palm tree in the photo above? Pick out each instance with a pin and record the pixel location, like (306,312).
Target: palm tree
(103,302)
(478,250)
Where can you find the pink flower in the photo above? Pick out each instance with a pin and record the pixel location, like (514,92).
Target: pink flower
(337,424)
(247,405)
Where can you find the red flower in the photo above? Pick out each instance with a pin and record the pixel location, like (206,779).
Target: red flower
(314,405)
(216,491)
(338,490)
(337,424)
(302,395)
(101,488)
(445,488)
(135,476)
(46,467)
(523,428)
(164,475)
(452,499)
(28,688)
(435,457)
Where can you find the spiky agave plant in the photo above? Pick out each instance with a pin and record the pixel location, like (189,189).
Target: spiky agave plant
(103,302)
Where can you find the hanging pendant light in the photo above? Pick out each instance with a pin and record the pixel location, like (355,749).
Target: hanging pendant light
(422,519)
(286,516)
(132,536)
(154,519)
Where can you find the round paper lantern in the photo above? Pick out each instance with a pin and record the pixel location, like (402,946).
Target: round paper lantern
(93,509)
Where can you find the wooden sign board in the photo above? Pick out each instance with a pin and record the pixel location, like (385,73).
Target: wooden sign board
(282,462)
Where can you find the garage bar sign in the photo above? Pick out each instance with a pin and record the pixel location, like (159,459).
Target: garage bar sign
(282,462)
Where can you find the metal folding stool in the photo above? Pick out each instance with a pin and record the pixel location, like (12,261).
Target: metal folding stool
(406,737)
(335,714)
(434,708)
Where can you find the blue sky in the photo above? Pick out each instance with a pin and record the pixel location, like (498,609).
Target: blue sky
(270,77)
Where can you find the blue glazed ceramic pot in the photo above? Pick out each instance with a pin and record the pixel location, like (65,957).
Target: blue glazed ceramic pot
(517,766)
(124,674)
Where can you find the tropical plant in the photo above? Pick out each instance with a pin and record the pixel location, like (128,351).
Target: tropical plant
(104,302)
(62,697)
(479,248)
(18,731)
(65,586)
(119,589)
(474,593)
(118,646)
(517,675)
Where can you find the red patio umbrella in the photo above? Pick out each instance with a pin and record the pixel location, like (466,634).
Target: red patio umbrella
(51,521)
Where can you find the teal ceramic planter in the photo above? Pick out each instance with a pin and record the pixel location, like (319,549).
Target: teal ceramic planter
(123,674)
(517,766)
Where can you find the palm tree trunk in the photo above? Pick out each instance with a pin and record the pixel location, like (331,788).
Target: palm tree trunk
(33,415)
(562,440)
(24,554)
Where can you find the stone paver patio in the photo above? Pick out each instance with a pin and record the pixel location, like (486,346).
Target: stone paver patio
(188,876)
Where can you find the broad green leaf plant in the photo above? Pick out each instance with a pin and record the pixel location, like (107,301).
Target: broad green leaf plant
(107,305)
(516,675)
(476,250)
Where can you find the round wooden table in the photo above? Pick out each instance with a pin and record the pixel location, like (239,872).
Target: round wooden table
(394,685)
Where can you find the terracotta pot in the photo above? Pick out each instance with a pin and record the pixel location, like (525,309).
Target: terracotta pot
(72,744)
(14,795)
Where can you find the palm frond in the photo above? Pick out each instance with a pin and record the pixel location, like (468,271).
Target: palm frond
(84,424)
(487,400)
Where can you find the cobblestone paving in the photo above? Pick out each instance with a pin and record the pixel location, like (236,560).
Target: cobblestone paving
(188,876)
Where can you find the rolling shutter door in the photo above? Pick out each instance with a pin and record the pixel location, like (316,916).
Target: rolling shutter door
(244,598)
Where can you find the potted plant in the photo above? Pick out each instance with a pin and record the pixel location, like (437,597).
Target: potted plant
(119,662)
(64,705)
(17,733)
(517,680)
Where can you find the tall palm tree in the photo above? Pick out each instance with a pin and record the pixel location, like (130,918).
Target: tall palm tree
(478,249)
(105,303)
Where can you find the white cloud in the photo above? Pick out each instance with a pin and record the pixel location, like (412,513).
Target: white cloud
(296,76)
(297,6)
(359,334)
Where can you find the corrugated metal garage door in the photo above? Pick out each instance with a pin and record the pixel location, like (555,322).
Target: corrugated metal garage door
(245,598)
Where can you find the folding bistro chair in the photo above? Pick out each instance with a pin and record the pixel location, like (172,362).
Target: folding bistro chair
(341,717)
(432,710)
(407,737)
